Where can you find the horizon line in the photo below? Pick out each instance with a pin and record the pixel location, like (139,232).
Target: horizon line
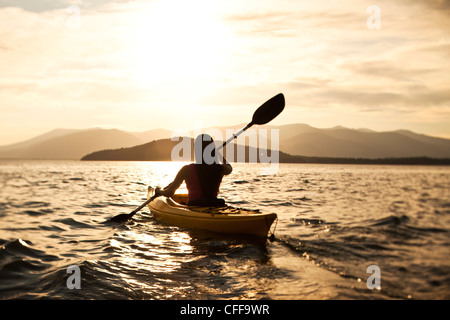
(104,127)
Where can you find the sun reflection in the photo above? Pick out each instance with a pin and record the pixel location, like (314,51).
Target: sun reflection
(165,173)
(142,255)
(146,257)
(183,240)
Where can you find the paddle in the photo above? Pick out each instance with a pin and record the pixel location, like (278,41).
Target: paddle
(126,216)
(264,114)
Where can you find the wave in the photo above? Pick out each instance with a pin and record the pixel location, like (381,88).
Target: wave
(74,223)
(307,222)
(37,212)
(20,248)
(76,179)
(295,190)
(27,204)
(404,227)
(96,281)
(21,267)
(391,221)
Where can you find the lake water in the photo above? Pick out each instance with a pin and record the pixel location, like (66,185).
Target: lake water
(334,221)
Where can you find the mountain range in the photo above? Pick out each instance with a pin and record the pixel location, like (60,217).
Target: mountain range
(72,144)
(294,139)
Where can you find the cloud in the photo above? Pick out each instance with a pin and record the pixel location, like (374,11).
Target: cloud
(388,70)
(146,57)
(37,6)
(274,23)
(365,99)
(49,5)
(440,5)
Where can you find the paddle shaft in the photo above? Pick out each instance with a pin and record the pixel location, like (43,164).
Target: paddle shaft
(126,216)
(268,111)
(235,135)
(143,205)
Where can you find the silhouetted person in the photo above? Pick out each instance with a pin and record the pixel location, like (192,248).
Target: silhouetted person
(203,177)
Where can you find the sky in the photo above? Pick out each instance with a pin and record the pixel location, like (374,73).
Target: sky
(138,65)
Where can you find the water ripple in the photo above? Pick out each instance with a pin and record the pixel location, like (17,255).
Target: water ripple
(333,222)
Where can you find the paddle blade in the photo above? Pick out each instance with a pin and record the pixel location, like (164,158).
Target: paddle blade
(269,110)
(119,218)
(124,217)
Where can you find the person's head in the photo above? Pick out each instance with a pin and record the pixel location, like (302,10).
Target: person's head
(205,150)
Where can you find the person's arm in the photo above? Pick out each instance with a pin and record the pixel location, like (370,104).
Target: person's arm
(175,184)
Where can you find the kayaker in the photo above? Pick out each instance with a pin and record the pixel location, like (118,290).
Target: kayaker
(203,177)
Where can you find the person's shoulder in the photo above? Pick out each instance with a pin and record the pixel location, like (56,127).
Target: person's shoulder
(185,170)
(227,168)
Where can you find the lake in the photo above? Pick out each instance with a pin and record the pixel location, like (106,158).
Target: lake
(343,232)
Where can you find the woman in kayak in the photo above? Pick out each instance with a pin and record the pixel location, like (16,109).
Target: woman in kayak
(203,177)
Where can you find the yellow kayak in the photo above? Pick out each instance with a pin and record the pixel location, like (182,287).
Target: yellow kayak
(226,219)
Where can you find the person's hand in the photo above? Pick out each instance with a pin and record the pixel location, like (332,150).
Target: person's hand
(158,191)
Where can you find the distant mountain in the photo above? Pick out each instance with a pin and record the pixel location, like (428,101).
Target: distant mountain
(342,142)
(41,138)
(69,145)
(294,139)
(304,140)
(151,135)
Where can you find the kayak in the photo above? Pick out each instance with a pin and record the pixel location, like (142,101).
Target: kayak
(227,219)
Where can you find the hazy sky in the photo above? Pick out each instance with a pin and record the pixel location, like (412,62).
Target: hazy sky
(147,64)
